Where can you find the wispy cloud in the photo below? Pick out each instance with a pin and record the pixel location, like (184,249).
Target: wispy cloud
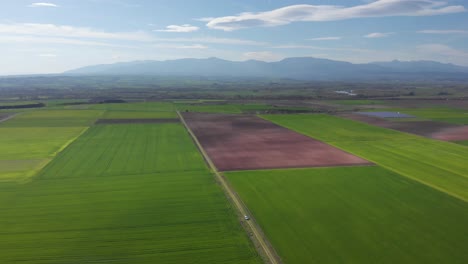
(47,55)
(325,38)
(52,30)
(178,46)
(378,35)
(297,13)
(262,56)
(446,31)
(55,40)
(43,5)
(179,29)
(51,33)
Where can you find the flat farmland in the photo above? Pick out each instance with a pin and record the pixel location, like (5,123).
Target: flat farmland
(138,114)
(441,165)
(243,142)
(122,194)
(354,215)
(53,118)
(127,149)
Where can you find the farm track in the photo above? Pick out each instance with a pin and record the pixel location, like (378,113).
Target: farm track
(8,117)
(264,247)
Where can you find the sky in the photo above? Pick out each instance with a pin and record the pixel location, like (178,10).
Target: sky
(58,35)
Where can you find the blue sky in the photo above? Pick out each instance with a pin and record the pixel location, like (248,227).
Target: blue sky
(58,35)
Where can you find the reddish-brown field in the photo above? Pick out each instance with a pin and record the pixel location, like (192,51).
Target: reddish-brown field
(245,142)
(452,134)
(430,129)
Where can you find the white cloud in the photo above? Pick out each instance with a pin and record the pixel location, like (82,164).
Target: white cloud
(55,40)
(48,55)
(43,5)
(325,38)
(262,56)
(442,53)
(178,46)
(296,13)
(378,35)
(179,29)
(80,35)
(446,31)
(213,40)
(52,30)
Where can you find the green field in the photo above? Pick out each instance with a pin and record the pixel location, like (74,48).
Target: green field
(441,165)
(53,118)
(122,194)
(463,142)
(354,215)
(138,114)
(233,108)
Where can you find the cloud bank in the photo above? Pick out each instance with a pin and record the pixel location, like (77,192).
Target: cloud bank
(309,13)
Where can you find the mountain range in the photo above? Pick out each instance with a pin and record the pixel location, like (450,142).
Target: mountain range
(301,68)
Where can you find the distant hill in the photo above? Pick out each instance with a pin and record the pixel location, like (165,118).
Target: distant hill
(303,68)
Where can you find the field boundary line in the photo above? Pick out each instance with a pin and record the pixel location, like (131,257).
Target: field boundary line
(8,117)
(258,237)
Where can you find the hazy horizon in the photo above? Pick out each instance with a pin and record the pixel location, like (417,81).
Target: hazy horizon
(56,36)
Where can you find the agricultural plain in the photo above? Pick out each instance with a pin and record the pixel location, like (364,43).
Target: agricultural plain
(354,215)
(138,193)
(441,165)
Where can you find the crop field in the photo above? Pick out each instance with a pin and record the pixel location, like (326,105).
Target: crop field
(53,118)
(244,142)
(232,108)
(138,114)
(441,165)
(122,194)
(462,142)
(127,149)
(354,215)
(138,107)
(427,128)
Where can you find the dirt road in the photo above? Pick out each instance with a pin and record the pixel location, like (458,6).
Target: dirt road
(263,246)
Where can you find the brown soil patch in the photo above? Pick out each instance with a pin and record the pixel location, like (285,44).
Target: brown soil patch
(430,129)
(245,142)
(452,134)
(137,121)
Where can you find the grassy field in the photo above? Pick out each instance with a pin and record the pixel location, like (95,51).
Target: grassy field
(127,149)
(232,108)
(463,142)
(53,118)
(138,114)
(122,194)
(354,215)
(140,107)
(439,164)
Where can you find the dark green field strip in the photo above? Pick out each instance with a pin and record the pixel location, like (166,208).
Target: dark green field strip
(128,149)
(178,218)
(463,142)
(354,215)
(441,165)
(53,118)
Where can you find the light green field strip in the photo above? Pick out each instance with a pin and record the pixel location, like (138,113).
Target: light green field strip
(53,118)
(231,108)
(20,170)
(354,215)
(122,194)
(440,165)
(137,114)
(31,139)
